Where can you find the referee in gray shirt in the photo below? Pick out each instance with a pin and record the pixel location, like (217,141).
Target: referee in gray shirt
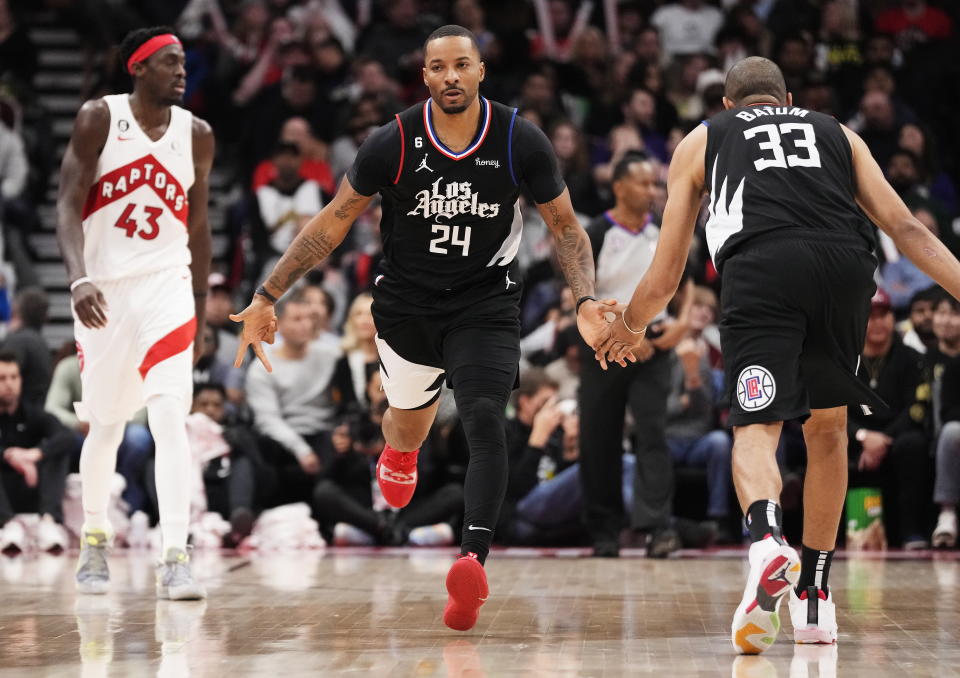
(624,239)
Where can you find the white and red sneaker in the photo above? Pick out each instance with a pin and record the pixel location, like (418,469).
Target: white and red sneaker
(397,475)
(774,571)
(467,590)
(814,617)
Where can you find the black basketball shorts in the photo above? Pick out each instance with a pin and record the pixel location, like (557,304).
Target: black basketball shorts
(420,349)
(793,320)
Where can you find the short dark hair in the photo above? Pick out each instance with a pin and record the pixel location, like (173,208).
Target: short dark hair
(755,76)
(9,357)
(210,386)
(948,298)
(931,294)
(622,168)
(137,37)
(906,152)
(286,148)
(452,31)
(31,305)
(532,380)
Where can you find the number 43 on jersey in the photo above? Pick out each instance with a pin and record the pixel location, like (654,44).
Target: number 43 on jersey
(128,221)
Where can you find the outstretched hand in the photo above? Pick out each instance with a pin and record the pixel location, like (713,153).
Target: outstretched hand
(259,325)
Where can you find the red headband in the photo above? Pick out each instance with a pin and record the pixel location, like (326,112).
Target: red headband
(147,49)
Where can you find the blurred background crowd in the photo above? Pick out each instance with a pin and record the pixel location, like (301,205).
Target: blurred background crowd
(641,458)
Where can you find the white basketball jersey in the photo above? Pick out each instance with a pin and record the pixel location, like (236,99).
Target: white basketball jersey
(135,217)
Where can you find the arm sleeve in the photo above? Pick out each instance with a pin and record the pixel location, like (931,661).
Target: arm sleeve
(263,400)
(378,160)
(535,163)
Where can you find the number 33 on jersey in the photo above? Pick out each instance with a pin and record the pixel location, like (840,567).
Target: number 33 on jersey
(772,168)
(135,216)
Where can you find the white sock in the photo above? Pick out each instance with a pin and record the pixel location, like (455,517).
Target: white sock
(98,459)
(167,417)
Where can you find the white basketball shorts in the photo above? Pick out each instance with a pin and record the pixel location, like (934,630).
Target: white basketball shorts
(146,348)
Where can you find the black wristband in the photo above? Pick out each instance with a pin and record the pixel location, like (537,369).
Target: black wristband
(581,300)
(262,291)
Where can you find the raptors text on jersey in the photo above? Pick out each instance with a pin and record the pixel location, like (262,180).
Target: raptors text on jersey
(135,215)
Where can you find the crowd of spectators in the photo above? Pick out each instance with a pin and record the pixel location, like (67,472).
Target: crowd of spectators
(293,87)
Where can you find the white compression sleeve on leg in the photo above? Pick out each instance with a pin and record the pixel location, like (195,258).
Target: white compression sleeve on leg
(168,425)
(98,461)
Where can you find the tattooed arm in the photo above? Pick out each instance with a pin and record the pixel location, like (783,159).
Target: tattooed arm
(576,260)
(319,237)
(573,245)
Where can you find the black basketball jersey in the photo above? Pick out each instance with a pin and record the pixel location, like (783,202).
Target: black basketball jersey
(772,168)
(450,220)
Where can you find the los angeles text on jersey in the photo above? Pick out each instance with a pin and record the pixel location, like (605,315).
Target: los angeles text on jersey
(761,111)
(452,199)
(145,171)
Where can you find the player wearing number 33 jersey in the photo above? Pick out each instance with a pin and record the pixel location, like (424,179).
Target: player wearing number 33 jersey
(132,227)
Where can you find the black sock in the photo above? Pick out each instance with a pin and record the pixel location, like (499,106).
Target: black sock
(765,519)
(814,569)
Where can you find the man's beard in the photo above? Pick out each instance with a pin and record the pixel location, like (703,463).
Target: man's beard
(455,108)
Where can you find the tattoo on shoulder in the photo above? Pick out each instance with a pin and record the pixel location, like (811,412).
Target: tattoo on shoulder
(343,212)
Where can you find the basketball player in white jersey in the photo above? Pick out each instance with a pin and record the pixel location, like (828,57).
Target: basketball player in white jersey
(132,227)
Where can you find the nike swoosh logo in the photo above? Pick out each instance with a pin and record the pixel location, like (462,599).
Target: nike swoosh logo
(120,138)
(485,529)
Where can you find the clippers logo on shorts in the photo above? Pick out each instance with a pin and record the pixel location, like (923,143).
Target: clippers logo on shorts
(755,388)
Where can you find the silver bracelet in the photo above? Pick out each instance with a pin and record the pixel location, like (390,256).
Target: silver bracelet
(79,281)
(623,318)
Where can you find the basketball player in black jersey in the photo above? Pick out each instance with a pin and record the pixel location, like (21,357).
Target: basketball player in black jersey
(446,300)
(791,191)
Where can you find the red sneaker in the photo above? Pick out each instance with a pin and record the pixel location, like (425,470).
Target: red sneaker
(468,590)
(397,475)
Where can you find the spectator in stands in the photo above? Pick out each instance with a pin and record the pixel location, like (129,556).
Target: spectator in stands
(947,486)
(544,496)
(397,43)
(322,307)
(284,205)
(233,473)
(916,139)
(344,503)
(211,369)
(365,116)
(539,94)
(915,23)
(795,58)
(313,164)
(26,341)
(565,370)
(640,111)
(136,447)
(891,449)
(218,309)
(901,278)
(574,162)
(294,96)
(692,433)
(903,173)
(34,464)
(293,409)
(18,54)
(624,240)
(917,330)
(13,163)
(877,124)
(360,355)
(687,27)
